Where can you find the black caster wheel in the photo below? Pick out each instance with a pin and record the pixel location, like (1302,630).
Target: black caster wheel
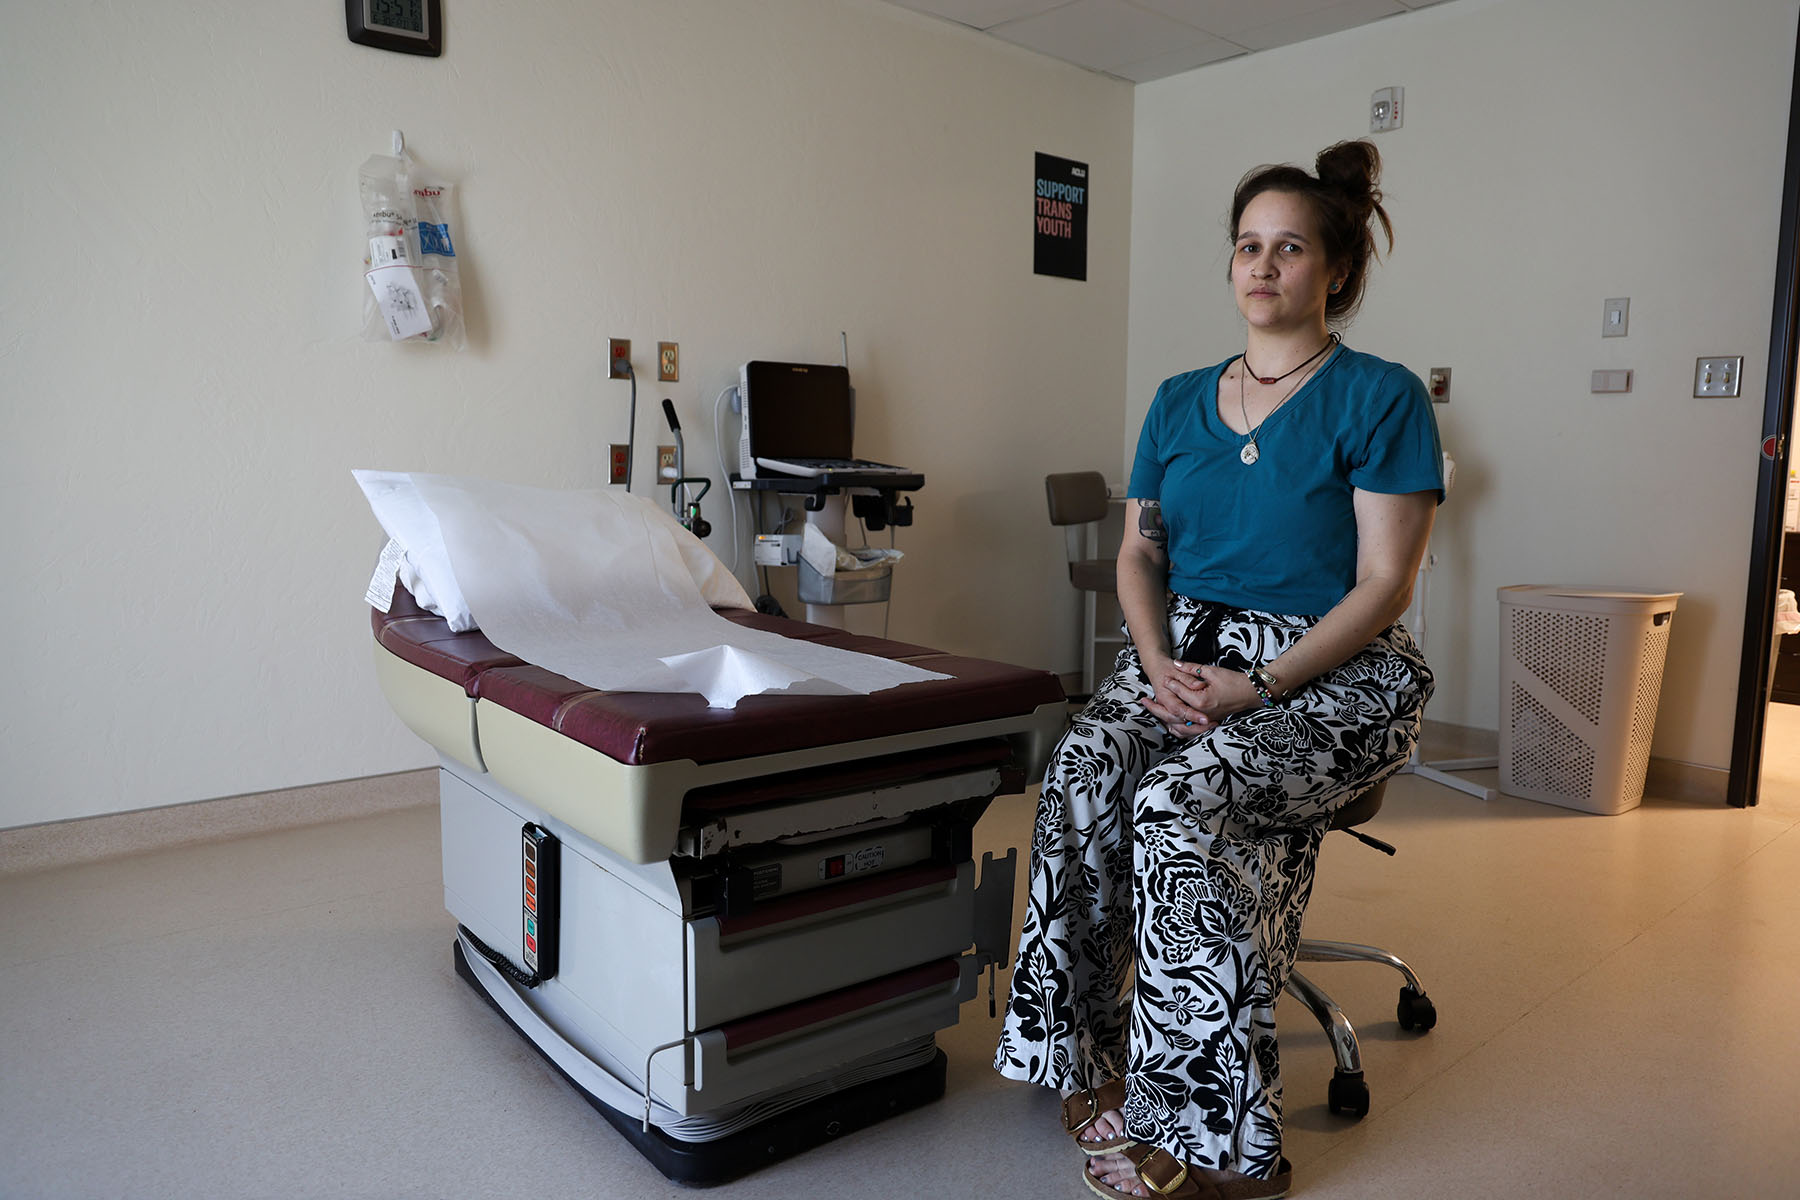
(1348,1095)
(1415,1010)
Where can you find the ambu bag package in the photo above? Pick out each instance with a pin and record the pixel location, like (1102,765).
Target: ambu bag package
(412,292)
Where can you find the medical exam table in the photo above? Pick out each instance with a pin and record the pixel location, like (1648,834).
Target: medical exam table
(735,931)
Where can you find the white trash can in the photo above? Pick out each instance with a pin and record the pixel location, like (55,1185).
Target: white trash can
(1580,673)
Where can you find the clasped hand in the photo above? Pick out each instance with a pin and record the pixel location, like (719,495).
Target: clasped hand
(1190,699)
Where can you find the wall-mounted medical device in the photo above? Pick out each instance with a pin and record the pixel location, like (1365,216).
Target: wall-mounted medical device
(685,503)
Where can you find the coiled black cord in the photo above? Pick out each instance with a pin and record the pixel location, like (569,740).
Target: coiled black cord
(499,961)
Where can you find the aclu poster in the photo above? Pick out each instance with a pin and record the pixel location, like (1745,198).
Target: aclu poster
(1061,215)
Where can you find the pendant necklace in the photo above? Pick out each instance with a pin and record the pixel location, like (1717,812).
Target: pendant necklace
(1249,454)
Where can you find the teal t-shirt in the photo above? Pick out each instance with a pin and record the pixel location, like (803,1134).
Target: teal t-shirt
(1279,535)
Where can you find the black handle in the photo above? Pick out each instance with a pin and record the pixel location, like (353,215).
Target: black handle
(669,412)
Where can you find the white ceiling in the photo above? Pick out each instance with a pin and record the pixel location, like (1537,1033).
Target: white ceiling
(1141,40)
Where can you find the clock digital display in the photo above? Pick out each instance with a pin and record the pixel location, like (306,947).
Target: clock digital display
(405,26)
(397,16)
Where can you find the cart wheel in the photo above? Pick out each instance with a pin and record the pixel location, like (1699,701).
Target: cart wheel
(1348,1094)
(1415,1010)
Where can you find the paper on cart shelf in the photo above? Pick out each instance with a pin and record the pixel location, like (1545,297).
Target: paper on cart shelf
(827,558)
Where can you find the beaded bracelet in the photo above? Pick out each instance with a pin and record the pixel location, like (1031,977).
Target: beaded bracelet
(1264,683)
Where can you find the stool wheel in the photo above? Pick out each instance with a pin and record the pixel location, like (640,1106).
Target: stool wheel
(1415,1010)
(1348,1094)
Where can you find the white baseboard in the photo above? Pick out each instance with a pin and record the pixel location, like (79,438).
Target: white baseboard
(1672,779)
(90,839)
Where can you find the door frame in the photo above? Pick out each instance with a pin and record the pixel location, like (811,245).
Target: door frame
(1744,782)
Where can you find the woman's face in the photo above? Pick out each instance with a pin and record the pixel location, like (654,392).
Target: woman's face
(1278,269)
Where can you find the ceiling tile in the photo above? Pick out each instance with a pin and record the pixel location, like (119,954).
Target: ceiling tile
(982,14)
(1345,15)
(1141,40)
(1211,50)
(1222,18)
(1101,34)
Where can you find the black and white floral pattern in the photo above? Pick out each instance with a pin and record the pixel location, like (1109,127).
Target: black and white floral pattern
(1169,876)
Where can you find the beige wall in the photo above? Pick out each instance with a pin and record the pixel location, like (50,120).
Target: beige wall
(185,390)
(1554,154)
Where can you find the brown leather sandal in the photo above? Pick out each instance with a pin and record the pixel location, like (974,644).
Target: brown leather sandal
(1081,1110)
(1165,1175)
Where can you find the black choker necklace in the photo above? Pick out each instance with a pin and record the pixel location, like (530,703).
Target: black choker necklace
(1330,341)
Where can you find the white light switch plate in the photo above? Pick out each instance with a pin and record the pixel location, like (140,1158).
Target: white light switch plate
(1609,381)
(1718,376)
(1617,321)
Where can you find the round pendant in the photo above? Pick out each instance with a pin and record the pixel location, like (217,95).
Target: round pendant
(1248,454)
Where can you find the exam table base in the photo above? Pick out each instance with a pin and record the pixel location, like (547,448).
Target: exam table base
(706,1164)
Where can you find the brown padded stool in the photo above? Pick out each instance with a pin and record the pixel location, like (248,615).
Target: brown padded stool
(1349,1092)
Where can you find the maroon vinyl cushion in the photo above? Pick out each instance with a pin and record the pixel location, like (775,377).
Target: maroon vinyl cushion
(426,640)
(649,727)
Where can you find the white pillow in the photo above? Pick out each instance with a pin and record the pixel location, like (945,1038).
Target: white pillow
(409,521)
(426,572)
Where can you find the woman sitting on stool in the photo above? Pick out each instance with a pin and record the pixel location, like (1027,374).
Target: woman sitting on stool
(1281,502)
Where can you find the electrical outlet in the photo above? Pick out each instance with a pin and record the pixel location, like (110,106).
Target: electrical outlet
(665,463)
(619,358)
(1438,384)
(1718,376)
(668,362)
(621,462)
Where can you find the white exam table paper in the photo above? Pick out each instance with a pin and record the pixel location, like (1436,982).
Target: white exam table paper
(597,586)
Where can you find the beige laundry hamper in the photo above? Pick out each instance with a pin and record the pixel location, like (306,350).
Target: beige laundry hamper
(1580,673)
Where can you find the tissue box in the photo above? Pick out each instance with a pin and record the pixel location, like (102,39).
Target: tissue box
(868,586)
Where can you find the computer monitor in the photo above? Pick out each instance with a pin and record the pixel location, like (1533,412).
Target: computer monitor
(794,410)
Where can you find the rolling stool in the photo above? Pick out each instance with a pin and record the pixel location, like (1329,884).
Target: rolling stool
(1349,1092)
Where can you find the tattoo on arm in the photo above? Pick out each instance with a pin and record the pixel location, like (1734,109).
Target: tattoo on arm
(1150,523)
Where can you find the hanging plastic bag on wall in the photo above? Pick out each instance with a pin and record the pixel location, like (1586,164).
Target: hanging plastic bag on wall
(412,292)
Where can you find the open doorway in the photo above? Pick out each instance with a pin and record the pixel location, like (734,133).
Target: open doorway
(1751,727)
(1779,762)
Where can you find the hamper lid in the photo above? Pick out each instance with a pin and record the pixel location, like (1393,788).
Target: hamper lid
(1588,599)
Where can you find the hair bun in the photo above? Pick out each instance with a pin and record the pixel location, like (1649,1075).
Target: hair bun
(1351,167)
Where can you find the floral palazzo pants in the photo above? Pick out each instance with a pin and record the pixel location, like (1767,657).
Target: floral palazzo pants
(1188,863)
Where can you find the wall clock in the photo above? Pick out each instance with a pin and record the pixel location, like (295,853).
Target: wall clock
(407,26)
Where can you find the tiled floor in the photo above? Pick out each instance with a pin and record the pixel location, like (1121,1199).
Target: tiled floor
(277,1016)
